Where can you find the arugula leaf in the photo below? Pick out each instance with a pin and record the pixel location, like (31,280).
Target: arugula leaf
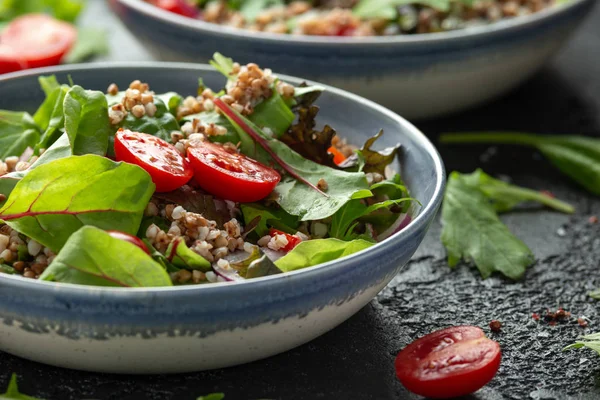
(504,197)
(377,161)
(297,193)
(86,121)
(269,216)
(17,132)
(12,392)
(309,142)
(182,257)
(592,342)
(90,42)
(160,125)
(472,230)
(55,199)
(318,251)
(576,156)
(93,257)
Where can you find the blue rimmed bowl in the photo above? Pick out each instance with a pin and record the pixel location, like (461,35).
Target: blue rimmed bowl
(165,330)
(418,76)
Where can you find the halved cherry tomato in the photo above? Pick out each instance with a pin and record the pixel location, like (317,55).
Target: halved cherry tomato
(129,238)
(451,362)
(230,175)
(293,241)
(167,167)
(39,39)
(338,157)
(10,61)
(181,7)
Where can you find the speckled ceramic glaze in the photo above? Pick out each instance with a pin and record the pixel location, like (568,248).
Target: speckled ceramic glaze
(418,76)
(191,328)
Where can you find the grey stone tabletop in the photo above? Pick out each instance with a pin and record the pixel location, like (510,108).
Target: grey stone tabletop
(356,360)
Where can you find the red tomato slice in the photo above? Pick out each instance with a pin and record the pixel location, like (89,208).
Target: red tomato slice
(230,175)
(167,167)
(39,39)
(10,60)
(451,362)
(129,238)
(293,241)
(181,7)
(338,157)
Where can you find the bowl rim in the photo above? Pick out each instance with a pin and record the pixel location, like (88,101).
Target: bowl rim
(227,32)
(426,212)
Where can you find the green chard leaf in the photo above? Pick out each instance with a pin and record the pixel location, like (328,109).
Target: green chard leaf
(472,230)
(181,256)
(318,251)
(90,42)
(12,392)
(93,257)
(17,132)
(60,149)
(55,199)
(86,121)
(576,156)
(298,194)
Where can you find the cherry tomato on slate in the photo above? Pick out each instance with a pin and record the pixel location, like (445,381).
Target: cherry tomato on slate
(167,167)
(230,175)
(451,362)
(38,39)
(10,60)
(338,157)
(293,241)
(129,238)
(181,7)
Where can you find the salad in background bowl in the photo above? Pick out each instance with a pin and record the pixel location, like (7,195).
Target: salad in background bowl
(419,75)
(103,179)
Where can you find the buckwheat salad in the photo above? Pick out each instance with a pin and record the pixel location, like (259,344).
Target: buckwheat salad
(136,189)
(353,17)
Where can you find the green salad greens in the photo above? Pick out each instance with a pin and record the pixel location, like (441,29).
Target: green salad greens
(132,188)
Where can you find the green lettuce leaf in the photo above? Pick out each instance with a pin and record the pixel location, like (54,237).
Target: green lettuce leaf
(93,257)
(256,265)
(55,199)
(318,251)
(86,121)
(160,125)
(51,117)
(268,216)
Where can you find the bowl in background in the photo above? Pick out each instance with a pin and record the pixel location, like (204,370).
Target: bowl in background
(418,76)
(190,328)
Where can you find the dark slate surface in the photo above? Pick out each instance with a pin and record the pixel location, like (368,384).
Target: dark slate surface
(355,361)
